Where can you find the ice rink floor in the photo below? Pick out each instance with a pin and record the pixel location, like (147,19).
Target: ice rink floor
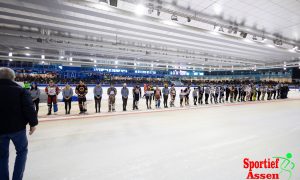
(204,143)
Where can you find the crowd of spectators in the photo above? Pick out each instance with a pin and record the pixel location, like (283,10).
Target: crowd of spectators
(107,79)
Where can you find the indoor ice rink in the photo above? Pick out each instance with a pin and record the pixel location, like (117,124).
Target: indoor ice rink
(212,89)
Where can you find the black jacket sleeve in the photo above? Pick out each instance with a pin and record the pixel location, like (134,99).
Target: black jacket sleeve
(28,109)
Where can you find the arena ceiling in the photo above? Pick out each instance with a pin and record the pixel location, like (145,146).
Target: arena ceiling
(141,34)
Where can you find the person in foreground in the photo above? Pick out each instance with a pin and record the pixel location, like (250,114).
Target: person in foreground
(17,110)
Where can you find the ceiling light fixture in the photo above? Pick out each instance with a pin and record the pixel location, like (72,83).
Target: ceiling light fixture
(10,54)
(140,9)
(27,54)
(102,6)
(217,9)
(42,56)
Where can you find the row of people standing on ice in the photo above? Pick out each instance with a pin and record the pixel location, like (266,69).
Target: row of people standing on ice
(201,95)
(81,90)
(216,93)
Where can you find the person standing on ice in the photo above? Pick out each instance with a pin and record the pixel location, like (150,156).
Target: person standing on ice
(236,92)
(149,94)
(212,93)
(222,93)
(278,87)
(187,96)
(52,91)
(227,91)
(166,92)
(258,92)
(274,92)
(98,96)
(181,97)
(17,110)
(173,95)
(35,95)
(67,94)
(136,92)
(263,92)
(269,92)
(254,93)
(195,96)
(231,93)
(125,94)
(243,92)
(206,92)
(157,96)
(201,91)
(217,92)
(81,90)
(111,92)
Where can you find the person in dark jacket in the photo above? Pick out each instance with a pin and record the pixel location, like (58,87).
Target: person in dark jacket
(81,90)
(136,93)
(17,110)
(227,92)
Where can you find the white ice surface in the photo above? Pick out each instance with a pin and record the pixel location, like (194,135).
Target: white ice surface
(204,143)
